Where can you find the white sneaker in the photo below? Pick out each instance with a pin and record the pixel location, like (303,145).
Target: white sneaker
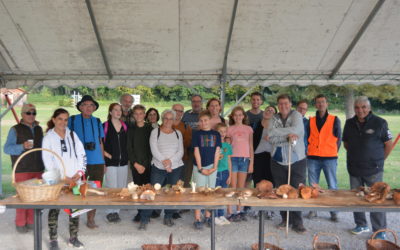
(224,220)
(218,221)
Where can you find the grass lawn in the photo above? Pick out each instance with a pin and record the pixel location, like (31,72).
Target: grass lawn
(46,106)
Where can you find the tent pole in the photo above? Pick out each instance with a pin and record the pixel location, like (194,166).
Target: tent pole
(353,43)
(98,37)
(224,66)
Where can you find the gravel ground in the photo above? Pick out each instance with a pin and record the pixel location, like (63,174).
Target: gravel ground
(238,235)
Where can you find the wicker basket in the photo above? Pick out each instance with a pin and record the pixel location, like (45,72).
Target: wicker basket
(320,245)
(170,246)
(378,244)
(29,193)
(268,245)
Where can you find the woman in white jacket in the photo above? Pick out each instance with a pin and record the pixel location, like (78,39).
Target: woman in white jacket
(66,144)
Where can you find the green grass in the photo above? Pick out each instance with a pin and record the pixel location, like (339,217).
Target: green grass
(46,106)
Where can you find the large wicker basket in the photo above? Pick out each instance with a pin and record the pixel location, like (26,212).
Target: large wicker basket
(321,245)
(268,245)
(378,244)
(170,246)
(29,193)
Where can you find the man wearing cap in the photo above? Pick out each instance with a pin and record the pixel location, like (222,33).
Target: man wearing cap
(90,131)
(22,137)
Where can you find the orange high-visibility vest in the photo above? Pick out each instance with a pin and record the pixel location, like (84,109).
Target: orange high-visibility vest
(322,143)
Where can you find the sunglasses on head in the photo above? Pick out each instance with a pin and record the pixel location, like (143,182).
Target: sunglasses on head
(30,113)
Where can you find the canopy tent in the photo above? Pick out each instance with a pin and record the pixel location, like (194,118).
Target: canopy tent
(149,42)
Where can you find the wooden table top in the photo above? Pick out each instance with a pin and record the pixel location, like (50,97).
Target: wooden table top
(330,200)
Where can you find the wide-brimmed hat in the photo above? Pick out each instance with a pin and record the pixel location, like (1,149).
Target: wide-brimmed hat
(87,98)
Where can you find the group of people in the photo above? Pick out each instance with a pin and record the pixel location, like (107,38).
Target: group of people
(200,146)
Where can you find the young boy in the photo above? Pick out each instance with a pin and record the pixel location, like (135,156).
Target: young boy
(224,170)
(206,144)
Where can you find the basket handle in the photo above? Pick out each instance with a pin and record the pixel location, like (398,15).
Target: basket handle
(386,230)
(316,236)
(274,235)
(34,150)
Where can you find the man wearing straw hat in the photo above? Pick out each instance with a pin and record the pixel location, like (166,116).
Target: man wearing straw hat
(22,137)
(288,164)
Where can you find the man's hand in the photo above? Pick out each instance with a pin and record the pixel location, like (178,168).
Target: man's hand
(107,155)
(292,137)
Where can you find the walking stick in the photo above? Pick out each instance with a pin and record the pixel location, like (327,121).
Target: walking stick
(289,173)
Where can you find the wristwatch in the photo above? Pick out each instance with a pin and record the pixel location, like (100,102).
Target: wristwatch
(200,169)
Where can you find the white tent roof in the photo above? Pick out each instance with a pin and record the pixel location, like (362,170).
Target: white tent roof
(170,42)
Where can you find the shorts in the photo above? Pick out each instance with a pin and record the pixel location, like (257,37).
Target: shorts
(240,164)
(204,180)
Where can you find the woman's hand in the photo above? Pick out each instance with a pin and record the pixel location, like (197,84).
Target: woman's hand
(76,177)
(107,155)
(228,181)
(167,163)
(140,168)
(251,168)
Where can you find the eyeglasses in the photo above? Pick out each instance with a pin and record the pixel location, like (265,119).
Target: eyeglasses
(168,119)
(30,113)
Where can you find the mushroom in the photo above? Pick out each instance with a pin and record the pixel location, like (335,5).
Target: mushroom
(264,186)
(148,195)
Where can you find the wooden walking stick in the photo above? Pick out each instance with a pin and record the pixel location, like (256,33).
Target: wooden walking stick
(289,173)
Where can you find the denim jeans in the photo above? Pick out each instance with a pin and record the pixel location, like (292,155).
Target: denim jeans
(378,219)
(162,177)
(329,167)
(222,176)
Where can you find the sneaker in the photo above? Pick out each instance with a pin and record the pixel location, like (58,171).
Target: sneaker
(360,230)
(198,225)
(136,218)
(208,221)
(380,236)
(243,215)
(282,225)
(75,243)
(155,214)
(142,226)
(218,221)
(176,216)
(54,245)
(224,220)
(168,222)
(300,229)
(117,218)
(21,229)
(312,215)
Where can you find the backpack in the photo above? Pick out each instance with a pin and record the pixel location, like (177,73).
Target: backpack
(73,124)
(159,131)
(106,128)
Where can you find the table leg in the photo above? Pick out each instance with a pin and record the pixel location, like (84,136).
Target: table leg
(37,232)
(212,229)
(261,230)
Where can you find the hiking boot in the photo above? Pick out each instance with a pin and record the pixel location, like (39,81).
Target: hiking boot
(110,218)
(312,215)
(136,218)
(176,216)
(282,225)
(334,217)
(168,222)
(21,229)
(360,230)
(155,214)
(117,218)
(243,216)
(75,243)
(234,218)
(54,245)
(143,226)
(300,229)
(198,225)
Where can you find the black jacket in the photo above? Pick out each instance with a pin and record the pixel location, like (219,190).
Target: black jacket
(115,145)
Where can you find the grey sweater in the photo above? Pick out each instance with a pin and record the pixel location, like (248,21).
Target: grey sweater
(278,132)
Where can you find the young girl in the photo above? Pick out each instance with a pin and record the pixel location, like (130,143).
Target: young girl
(241,136)
(224,170)
(115,154)
(206,144)
(68,146)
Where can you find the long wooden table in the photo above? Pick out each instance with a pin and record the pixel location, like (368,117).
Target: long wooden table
(328,201)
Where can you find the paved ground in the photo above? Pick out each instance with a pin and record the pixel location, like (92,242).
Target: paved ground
(235,236)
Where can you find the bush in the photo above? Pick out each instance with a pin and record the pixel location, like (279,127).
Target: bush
(66,102)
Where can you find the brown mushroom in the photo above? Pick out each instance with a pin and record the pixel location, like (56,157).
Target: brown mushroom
(264,186)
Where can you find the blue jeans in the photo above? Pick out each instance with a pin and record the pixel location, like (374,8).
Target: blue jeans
(240,164)
(162,177)
(378,219)
(222,176)
(329,167)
